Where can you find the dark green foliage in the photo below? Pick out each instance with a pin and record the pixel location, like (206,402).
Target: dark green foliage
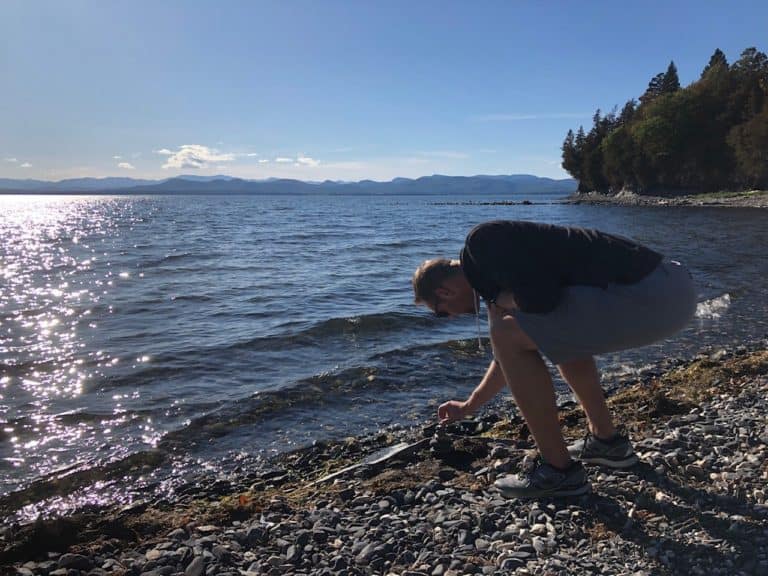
(717,60)
(710,135)
(670,83)
(750,146)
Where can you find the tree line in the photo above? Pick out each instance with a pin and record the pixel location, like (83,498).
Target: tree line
(710,135)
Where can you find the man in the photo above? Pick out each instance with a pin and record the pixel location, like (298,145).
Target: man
(568,294)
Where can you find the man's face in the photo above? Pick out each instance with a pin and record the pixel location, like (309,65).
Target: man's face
(437,307)
(448,301)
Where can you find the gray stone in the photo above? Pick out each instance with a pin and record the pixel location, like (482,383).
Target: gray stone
(153,554)
(292,554)
(178,534)
(511,564)
(367,553)
(196,567)
(76,561)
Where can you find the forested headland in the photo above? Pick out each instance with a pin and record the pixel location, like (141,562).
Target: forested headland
(711,135)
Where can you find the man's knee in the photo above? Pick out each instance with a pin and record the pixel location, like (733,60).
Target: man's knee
(509,334)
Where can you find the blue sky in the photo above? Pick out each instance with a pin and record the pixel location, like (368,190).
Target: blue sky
(333,89)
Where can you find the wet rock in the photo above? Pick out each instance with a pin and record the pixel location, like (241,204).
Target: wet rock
(75,561)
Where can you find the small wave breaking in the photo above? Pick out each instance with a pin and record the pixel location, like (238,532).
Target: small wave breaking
(714,308)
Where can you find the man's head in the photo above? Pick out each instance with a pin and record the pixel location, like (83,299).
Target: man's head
(441,285)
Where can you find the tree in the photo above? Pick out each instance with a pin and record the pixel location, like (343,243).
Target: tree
(618,150)
(717,61)
(752,63)
(654,89)
(750,76)
(571,159)
(750,147)
(627,112)
(710,135)
(670,83)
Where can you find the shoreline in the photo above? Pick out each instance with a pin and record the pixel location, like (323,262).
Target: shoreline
(747,199)
(696,503)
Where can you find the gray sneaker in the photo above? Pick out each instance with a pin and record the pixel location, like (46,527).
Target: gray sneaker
(617,453)
(544,480)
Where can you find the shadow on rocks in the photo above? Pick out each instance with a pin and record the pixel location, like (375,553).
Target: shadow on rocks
(683,526)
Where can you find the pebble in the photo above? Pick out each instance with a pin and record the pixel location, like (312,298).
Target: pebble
(686,509)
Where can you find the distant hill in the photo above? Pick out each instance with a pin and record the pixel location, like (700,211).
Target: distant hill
(435,185)
(72,184)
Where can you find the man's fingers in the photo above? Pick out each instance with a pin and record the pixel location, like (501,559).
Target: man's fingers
(444,413)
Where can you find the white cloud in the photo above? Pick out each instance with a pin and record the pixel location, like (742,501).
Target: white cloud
(26,165)
(251,154)
(518,117)
(307,161)
(283,160)
(12,160)
(126,165)
(263,161)
(193,156)
(117,157)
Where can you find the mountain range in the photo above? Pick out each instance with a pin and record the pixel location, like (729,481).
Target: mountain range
(436,184)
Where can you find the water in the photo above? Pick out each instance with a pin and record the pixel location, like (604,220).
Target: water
(207,330)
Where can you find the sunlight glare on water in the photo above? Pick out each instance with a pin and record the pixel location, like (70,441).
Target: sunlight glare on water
(138,331)
(53,276)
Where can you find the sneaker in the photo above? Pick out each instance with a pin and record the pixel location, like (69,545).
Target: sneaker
(615,453)
(545,480)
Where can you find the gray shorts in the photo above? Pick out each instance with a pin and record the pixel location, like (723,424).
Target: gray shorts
(590,320)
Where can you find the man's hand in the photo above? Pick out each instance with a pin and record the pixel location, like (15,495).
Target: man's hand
(451,411)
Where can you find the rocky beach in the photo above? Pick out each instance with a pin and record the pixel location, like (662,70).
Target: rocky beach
(695,504)
(745,199)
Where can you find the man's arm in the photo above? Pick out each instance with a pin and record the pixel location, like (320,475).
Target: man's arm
(489,386)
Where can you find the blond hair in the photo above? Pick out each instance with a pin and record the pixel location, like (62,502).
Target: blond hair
(429,276)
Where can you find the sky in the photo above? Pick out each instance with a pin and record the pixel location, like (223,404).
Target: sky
(328,89)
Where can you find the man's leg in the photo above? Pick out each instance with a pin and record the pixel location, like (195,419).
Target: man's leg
(583,378)
(531,384)
(605,446)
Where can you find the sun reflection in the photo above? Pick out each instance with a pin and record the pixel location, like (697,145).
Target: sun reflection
(52,279)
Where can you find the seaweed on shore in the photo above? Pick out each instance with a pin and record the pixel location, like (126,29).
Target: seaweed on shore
(640,406)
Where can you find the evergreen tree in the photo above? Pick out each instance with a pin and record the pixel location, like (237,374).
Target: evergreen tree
(619,150)
(716,61)
(710,135)
(750,146)
(654,89)
(571,160)
(750,74)
(752,63)
(627,112)
(670,83)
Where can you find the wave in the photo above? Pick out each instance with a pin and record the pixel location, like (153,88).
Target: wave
(340,327)
(192,298)
(200,360)
(393,372)
(180,256)
(714,308)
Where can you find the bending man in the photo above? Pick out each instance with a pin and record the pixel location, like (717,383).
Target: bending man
(568,294)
